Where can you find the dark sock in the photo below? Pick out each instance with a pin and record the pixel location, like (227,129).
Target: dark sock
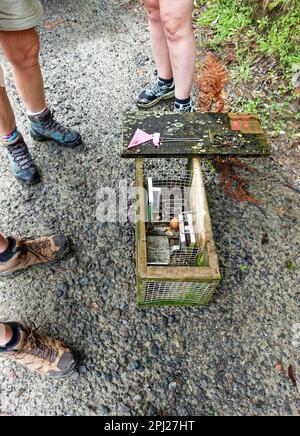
(184,102)
(15,339)
(9,253)
(166,81)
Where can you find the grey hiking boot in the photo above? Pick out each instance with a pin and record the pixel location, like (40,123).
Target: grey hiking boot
(44,127)
(158,92)
(21,162)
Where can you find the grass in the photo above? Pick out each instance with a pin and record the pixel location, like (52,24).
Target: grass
(276,31)
(259,29)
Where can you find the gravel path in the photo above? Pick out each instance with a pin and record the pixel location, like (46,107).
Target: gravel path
(217,360)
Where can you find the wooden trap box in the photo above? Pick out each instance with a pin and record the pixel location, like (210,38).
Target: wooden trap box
(177,263)
(184,275)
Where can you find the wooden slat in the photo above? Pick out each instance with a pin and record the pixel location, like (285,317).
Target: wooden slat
(251,140)
(141,237)
(178,273)
(199,202)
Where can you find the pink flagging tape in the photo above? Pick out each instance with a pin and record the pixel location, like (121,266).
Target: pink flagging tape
(140,137)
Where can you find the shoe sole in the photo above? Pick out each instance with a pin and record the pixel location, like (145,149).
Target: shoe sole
(41,138)
(68,372)
(22,271)
(35,182)
(155,102)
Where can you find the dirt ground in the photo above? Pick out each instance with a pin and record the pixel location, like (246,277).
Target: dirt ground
(230,358)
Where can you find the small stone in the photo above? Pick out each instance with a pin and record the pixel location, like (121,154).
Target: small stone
(73,263)
(134,366)
(84,281)
(83,370)
(173,386)
(63,289)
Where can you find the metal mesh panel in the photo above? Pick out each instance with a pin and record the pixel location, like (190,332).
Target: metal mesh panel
(171,193)
(170,180)
(176,292)
(187,257)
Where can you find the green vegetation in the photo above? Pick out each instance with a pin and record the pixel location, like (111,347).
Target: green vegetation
(276,31)
(261,39)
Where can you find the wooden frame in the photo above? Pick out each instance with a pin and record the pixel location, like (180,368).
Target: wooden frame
(208,273)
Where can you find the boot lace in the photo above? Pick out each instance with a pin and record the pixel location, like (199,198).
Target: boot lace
(50,123)
(35,248)
(35,345)
(21,155)
(155,90)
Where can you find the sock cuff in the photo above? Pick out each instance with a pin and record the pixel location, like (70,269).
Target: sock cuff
(36,114)
(166,81)
(9,252)
(12,136)
(184,102)
(15,339)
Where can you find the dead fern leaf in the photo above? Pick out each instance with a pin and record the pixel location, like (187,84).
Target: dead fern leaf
(211,81)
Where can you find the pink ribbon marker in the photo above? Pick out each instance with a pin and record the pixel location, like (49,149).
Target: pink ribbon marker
(140,137)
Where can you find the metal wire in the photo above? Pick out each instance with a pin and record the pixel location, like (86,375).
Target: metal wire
(175,200)
(177,292)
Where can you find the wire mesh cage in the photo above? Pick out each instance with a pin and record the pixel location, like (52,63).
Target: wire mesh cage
(156,293)
(176,258)
(173,238)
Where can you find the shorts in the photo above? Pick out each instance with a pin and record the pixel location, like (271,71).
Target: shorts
(20,14)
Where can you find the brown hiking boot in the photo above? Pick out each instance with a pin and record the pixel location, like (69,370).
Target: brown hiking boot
(34,252)
(41,354)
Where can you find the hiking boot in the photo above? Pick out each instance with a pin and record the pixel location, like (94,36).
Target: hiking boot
(41,354)
(184,108)
(34,252)
(45,127)
(158,92)
(21,162)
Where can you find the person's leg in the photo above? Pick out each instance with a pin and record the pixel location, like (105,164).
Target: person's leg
(3,243)
(22,48)
(158,39)
(176,17)
(6,334)
(22,51)
(7,249)
(7,118)
(163,88)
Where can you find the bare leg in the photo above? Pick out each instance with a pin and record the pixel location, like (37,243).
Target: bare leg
(7,118)
(159,41)
(6,334)
(176,17)
(22,48)
(3,243)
